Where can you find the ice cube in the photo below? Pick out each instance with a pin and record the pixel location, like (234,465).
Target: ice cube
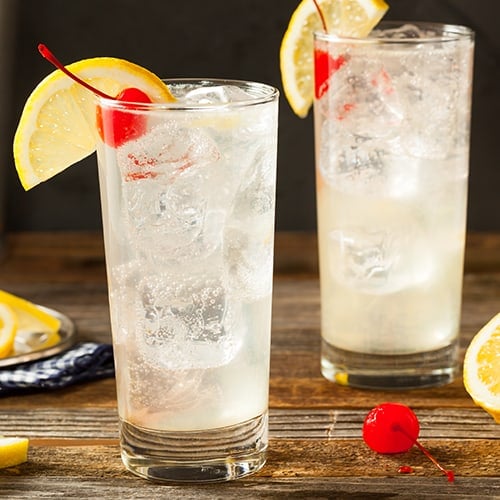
(186,322)
(248,233)
(167,150)
(255,193)
(379,261)
(248,261)
(162,219)
(406,31)
(158,395)
(436,121)
(215,95)
(361,257)
(364,103)
(167,195)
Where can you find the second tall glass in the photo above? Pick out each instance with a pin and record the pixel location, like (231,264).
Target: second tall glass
(392,118)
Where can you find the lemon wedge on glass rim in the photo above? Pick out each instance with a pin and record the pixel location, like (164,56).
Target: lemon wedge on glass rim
(57,125)
(481,373)
(351,18)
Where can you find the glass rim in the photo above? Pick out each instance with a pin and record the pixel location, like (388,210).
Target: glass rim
(264,93)
(444,33)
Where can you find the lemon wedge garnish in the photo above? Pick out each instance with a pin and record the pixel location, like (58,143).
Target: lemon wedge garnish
(352,18)
(56,128)
(482,368)
(13,451)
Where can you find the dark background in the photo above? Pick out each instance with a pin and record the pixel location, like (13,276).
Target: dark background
(217,38)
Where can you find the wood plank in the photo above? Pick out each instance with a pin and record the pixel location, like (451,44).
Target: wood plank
(310,459)
(320,393)
(49,424)
(343,488)
(344,458)
(60,423)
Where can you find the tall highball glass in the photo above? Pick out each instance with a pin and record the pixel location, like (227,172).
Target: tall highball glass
(392,119)
(188,214)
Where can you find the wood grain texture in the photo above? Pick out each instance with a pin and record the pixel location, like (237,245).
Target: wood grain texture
(50,424)
(316,450)
(326,469)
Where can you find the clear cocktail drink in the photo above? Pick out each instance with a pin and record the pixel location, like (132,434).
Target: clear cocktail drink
(392,146)
(188,211)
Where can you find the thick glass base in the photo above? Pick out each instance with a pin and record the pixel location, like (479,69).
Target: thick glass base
(212,455)
(407,371)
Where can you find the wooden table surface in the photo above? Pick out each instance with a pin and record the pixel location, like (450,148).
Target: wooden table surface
(316,450)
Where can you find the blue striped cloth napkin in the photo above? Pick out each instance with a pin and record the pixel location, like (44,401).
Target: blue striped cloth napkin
(83,362)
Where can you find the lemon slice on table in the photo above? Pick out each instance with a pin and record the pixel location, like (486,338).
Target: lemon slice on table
(482,368)
(352,18)
(29,318)
(8,327)
(13,451)
(57,125)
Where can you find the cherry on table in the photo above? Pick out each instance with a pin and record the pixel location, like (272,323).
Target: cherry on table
(393,428)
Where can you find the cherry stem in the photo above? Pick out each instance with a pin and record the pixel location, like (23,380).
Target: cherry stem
(322,17)
(47,54)
(448,473)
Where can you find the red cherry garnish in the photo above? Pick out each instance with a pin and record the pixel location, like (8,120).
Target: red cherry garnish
(324,64)
(119,126)
(324,67)
(114,126)
(393,428)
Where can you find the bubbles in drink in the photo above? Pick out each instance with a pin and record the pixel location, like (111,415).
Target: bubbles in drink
(249,232)
(184,392)
(186,322)
(248,261)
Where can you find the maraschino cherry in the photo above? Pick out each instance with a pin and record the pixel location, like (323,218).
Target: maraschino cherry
(115,127)
(324,64)
(382,428)
(394,428)
(324,67)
